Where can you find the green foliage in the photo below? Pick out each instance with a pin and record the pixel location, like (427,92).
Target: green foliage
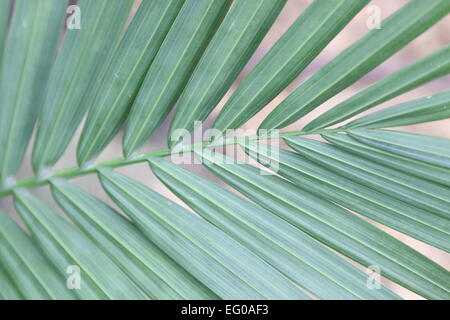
(364,55)
(168,74)
(235,41)
(73,74)
(292,53)
(4,21)
(27,60)
(124,75)
(431,67)
(304,232)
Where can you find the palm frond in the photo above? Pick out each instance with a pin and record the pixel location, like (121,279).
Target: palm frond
(302,204)
(168,74)
(285,247)
(292,53)
(65,246)
(232,270)
(364,55)
(235,41)
(29,54)
(393,160)
(73,75)
(147,265)
(432,150)
(32,275)
(422,71)
(4,23)
(124,75)
(302,223)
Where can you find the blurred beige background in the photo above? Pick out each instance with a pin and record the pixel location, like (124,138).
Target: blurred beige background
(433,39)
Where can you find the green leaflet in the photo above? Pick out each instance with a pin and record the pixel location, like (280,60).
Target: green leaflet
(357,60)
(29,53)
(33,276)
(426,69)
(168,74)
(150,268)
(430,108)
(294,253)
(304,40)
(410,189)
(4,21)
(334,226)
(74,74)
(407,165)
(124,75)
(237,38)
(369,202)
(429,149)
(218,261)
(66,247)
(306,232)
(8,290)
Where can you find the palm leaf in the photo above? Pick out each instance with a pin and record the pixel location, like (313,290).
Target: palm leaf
(301,224)
(74,72)
(322,273)
(432,150)
(188,38)
(323,182)
(422,110)
(8,290)
(34,277)
(304,40)
(393,160)
(65,246)
(231,47)
(4,21)
(150,268)
(431,67)
(333,226)
(124,75)
(357,60)
(233,270)
(29,53)
(426,195)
